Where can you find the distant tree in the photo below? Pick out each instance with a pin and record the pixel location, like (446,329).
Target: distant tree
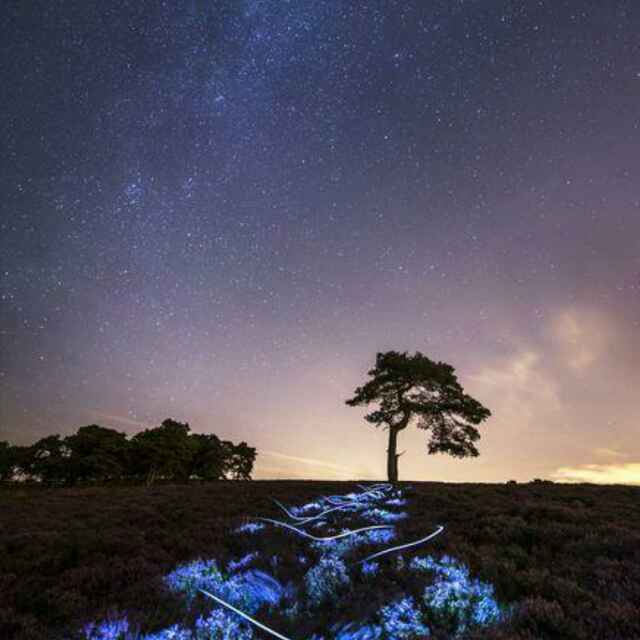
(46,460)
(99,454)
(96,454)
(408,387)
(19,457)
(208,457)
(6,461)
(13,461)
(162,452)
(239,460)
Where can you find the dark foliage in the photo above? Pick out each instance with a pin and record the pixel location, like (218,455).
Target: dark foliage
(7,455)
(96,454)
(566,557)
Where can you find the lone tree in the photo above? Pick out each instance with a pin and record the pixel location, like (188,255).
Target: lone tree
(414,387)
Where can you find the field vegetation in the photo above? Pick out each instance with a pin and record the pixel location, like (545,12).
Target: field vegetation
(564,559)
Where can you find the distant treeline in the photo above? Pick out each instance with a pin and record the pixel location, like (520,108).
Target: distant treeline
(98,454)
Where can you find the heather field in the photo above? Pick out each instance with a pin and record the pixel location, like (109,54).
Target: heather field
(536,560)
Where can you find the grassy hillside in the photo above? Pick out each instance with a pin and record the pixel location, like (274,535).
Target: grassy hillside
(567,556)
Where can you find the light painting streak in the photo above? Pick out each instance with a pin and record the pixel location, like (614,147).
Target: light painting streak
(346,534)
(247,617)
(438,531)
(304,520)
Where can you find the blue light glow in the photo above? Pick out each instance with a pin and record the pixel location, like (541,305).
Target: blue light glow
(106,630)
(250,527)
(222,625)
(190,578)
(344,546)
(355,632)
(381,515)
(402,620)
(243,562)
(326,579)
(369,568)
(175,632)
(248,592)
(455,596)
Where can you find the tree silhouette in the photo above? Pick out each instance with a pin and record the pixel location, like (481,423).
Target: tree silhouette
(414,387)
(13,461)
(240,459)
(163,452)
(208,461)
(96,454)
(6,461)
(47,460)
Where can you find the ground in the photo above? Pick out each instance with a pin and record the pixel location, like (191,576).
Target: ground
(565,558)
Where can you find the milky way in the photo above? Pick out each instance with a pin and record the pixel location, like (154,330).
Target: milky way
(220,211)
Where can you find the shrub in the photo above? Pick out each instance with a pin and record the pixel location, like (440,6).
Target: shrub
(401,620)
(325,579)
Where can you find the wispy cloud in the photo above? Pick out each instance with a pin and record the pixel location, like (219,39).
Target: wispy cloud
(627,473)
(517,387)
(264,472)
(112,418)
(581,336)
(517,371)
(308,461)
(606,452)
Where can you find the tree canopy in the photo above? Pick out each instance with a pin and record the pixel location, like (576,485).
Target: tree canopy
(100,454)
(97,454)
(414,388)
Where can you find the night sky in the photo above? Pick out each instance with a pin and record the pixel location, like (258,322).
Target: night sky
(220,211)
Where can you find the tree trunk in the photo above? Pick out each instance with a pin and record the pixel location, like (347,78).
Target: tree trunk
(392,456)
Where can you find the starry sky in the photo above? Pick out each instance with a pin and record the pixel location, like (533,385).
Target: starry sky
(220,211)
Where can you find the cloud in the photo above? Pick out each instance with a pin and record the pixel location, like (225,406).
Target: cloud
(517,370)
(609,453)
(276,473)
(581,337)
(521,373)
(518,387)
(627,473)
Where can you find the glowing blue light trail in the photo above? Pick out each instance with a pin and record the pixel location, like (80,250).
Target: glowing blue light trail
(438,531)
(343,505)
(251,588)
(345,534)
